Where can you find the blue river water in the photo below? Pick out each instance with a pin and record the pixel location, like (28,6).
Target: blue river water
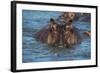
(34,51)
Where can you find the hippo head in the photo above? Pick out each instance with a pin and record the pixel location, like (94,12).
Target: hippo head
(55,36)
(69,16)
(71,36)
(59,35)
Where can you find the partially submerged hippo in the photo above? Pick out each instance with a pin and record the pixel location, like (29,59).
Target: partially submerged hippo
(58,34)
(52,35)
(71,36)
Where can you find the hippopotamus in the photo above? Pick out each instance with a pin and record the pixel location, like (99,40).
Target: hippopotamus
(71,35)
(60,35)
(53,35)
(49,35)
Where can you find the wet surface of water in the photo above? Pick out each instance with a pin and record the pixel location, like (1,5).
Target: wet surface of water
(34,51)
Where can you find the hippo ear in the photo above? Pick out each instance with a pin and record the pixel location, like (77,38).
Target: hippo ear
(53,24)
(52,20)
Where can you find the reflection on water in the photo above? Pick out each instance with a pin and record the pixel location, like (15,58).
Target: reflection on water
(34,51)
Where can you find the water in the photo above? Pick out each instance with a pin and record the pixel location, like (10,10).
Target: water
(34,51)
